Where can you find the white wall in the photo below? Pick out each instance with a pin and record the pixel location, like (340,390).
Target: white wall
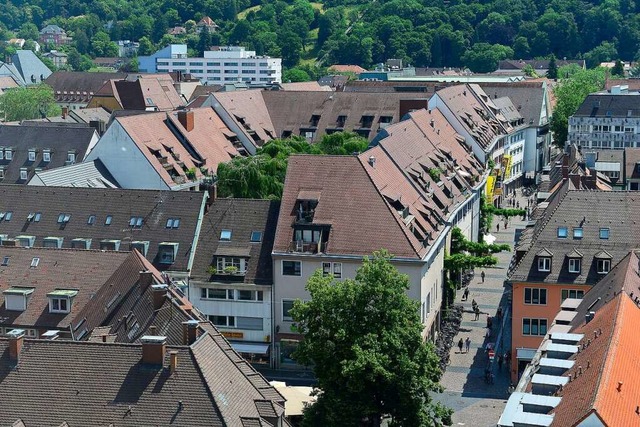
(236,308)
(125,162)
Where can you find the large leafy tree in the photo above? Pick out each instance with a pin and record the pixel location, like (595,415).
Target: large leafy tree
(363,338)
(262,176)
(570,93)
(28,103)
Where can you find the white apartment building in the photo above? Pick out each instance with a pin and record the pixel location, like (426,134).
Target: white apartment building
(226,64)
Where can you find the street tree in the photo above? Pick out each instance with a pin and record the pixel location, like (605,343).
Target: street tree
(552,71)
(363,337)
(27,103)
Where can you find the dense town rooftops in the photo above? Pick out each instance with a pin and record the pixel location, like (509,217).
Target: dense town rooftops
(605,105)
(204,383)
(250,226)
(161,225)
(78,86)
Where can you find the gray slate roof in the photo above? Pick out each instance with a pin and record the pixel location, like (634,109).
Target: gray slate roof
(242,217)
(154,207)
(591,210)
(60,140)
(31,68)
(87,174)
(607,105)
(527,97)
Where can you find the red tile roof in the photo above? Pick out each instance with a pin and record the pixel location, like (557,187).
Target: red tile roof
(609,385)
(339,68)
(249,112)
(360,218)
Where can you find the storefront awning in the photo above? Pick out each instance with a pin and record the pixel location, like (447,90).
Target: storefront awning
(250,348)
(525,353)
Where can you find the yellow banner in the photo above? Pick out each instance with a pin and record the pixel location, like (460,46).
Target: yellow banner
(506,164)
(491,182)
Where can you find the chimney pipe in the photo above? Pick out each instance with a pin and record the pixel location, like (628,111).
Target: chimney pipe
(153,330)
(16,339)
(186,118)
(189,331)
(159,295)
(153,349)
(146,279)
(372,161)
(619,386)
(174,361)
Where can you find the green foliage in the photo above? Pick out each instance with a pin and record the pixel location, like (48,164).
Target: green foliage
(28,103)
(529,71)
(552,71)
(363,338)
(434,173)
(618,69)
(293,75)
(484,58)
(605,52)
(570,93)
(262,176)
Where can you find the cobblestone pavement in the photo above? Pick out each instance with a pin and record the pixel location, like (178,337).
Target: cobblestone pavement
(475,402)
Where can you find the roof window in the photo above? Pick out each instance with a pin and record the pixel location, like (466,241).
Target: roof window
(34,262)
(91,220)
(173,223)
(256,236)
(5,261)
(60,300)
(604,233)
(107,220)
(225,235)
(136,222)
(63,218)
(562,232)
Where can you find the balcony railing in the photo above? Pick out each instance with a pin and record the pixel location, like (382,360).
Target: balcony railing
(307,247)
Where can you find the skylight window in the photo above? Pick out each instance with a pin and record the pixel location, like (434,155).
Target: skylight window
(256,236)
(173,223)
(604,233)
(37,217)
(35,262)
(91,220)
(8,216)
(5,261)
(64,218)
(136,221)
(562,232)
(577,233)
(107,220)
(225,235)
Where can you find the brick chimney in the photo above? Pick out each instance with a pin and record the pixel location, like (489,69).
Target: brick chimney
(16,339)
(159,295)
(173,361)
(146,279)
(154,348)
(186,119)
(189,331)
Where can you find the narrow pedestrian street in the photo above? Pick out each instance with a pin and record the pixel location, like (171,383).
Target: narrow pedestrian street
(475,402)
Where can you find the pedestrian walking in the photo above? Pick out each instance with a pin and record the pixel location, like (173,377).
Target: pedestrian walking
(465,295)
(499,313)
(460,344)
(489,322)
(477,311)
(467,344)
(474,304)
(488,333)
(482,276)
(499,362)
(497,228)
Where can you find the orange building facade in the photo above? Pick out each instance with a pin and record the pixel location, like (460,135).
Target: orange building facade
(534,307)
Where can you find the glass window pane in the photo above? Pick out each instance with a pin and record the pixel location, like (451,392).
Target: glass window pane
(543,296)
(526,326)
(527,295)
(287,305)
(534,326)
(543,326)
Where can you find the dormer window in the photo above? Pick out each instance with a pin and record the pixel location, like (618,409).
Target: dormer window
(110,245)
(141,245)
(71,157)
(167,253)
(17,299)
(32,155)
(574,265)
(8,154)
(24,174)
(544,264)
(60,300)
(81,243)
(53,242)
(46,156)
(603,266)
(231,265)
(25,241)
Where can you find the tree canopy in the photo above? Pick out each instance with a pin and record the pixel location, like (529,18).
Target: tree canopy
(570,93)
(363,338)
(262,176)
(26,103)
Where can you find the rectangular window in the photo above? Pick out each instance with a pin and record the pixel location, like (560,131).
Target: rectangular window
(251,323)
(535,296)
(291,268)
(167,253)
(287,305)
(225,235)
(71,157)
(173,223)
(228,321)
(562,232)
(604,265)
(337,270)
(572,293)
(256,236)
(604,233)
(231,265)
(136,222)
(59,305)
(8,154)
(107,220)
(534,327)
(574,265)
(32,155)
(577,233)
(23,174)
(544,264)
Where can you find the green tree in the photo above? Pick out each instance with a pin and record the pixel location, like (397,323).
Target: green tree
(484,58)
(363,338)
(605,52)
(146,47)
(570,93)
(27,103)
(552,71)
(295,75)
(101,45)
(618,69)
(28,31)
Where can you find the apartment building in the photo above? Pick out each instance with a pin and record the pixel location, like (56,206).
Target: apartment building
(225,64)
(576,241)
(607,120)
(338,209)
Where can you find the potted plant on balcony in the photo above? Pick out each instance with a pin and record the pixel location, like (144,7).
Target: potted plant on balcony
(230,270)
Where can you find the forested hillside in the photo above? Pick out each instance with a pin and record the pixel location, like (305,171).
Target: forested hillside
(423,33)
